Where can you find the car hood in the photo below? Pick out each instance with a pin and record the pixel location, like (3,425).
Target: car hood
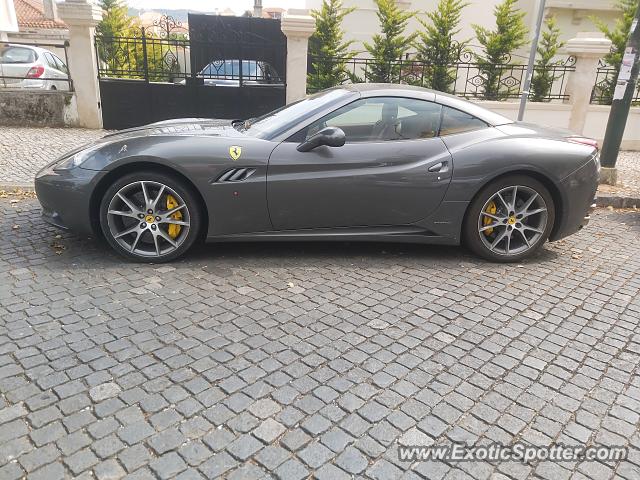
(111,145)
(180,126)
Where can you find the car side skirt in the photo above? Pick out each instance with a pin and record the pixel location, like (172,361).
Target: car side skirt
(443,227)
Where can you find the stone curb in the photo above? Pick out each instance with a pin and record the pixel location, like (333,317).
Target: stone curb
(616,201)
(13,186)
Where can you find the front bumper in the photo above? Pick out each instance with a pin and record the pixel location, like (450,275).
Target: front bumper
(65,197)
(579,193)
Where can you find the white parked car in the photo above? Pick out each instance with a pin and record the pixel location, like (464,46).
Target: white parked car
(25,66)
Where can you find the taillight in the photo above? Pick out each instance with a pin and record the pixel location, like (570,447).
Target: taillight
(584,141)
(35,72)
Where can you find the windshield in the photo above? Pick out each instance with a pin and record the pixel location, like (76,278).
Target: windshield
(280,120)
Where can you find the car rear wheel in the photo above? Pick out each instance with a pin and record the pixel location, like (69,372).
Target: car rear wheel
(510,219)
(150,217)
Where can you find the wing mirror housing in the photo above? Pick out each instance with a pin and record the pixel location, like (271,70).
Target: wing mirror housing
(329,136)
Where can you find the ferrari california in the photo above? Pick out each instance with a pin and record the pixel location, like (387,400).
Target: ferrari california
(360,162)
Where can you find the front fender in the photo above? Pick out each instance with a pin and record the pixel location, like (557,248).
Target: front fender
(233,207)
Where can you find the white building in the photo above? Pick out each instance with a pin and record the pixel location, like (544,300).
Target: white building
(573,16)
(37,21)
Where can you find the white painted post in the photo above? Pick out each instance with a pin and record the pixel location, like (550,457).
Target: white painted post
(588,48)
(81,17)
(298,26)
(8,19)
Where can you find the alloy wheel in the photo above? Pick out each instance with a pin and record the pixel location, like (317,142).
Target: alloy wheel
(513,220)
(148,219)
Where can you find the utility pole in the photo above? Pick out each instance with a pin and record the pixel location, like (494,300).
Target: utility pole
(532,60)
(622,99)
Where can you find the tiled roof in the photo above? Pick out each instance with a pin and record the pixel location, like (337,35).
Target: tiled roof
(30,14)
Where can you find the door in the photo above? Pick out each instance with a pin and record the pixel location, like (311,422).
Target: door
(393,169)
(62,73)
(56,76)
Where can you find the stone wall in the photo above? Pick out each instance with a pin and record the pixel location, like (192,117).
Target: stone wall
(37,109)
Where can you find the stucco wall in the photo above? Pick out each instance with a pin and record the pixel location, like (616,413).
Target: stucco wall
(557,115)
(38,109)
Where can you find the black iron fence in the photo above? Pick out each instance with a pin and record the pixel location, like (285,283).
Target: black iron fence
(176,59)
(605,85)
(465,78)
(143,56)
(34,66)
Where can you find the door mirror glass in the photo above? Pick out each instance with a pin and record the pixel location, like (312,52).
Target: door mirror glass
(329,136)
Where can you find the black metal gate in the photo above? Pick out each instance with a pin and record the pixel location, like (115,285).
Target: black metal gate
(223,67)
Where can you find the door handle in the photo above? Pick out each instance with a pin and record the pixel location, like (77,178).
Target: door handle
(438,167)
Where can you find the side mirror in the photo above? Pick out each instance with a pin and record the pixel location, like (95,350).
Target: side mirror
(329,136)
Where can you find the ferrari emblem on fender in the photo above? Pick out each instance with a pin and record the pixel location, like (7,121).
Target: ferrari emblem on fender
(235,152)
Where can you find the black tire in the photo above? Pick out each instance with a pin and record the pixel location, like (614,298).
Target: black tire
(173,186)
(472,224)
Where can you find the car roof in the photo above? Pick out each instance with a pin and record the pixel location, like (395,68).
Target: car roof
(38,50)
(367,90)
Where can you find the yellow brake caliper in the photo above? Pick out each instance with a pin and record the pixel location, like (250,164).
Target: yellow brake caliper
(492,208)
(173,230)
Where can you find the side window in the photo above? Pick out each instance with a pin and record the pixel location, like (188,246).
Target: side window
(381,119)
(60,64)
(50,61)
(455,121)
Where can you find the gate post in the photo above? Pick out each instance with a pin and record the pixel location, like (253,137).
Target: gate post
(82,16)
(298,26)
(588,48)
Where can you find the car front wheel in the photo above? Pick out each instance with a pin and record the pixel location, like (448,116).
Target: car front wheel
(150,217)
(510,219)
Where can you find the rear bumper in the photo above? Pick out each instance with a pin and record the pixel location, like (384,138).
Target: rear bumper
(30,84)
(579,192)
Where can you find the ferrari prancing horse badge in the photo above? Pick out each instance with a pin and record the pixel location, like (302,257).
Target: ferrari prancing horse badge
(235,152)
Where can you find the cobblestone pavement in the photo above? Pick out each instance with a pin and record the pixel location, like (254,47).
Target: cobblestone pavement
(292,360)
(23,151)
(628,165)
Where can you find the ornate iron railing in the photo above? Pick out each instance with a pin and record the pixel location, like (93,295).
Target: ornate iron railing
(605,85)
(469,78)
(143,56)
(162,52)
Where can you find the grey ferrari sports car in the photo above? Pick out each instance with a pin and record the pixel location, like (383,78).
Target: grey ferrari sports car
(358,162)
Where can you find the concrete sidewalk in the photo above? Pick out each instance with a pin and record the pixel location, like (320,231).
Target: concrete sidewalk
(24,151)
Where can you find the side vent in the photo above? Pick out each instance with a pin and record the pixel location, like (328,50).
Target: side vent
(236,175)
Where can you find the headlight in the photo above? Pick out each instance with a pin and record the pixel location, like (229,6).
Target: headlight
(72,161)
